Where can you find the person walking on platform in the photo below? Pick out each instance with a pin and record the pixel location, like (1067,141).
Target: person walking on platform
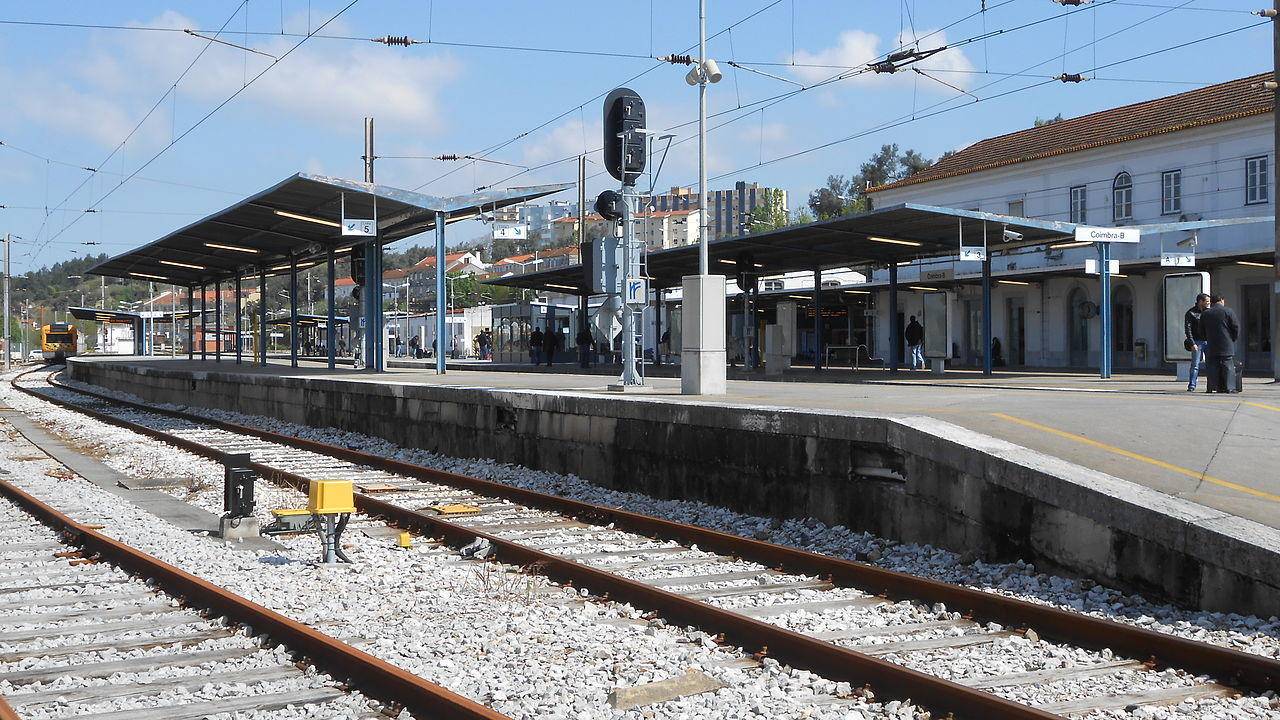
(1221,330)
(1195,342)
(550,344)
(535,346)
(915,342)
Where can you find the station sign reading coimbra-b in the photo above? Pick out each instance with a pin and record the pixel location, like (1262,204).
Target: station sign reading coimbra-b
(1107,234)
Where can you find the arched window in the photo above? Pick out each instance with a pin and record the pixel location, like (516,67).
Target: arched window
(1122,197)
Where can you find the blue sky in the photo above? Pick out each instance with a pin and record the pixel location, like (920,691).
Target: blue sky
(74,93)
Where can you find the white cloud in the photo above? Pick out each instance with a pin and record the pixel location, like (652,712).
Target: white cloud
(105,90)
(856,48)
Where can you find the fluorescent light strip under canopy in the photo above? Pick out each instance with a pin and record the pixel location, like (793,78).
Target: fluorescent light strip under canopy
(1250,263)
(236,248)
(893,241)
(149,277)
(307,218)
(175,263)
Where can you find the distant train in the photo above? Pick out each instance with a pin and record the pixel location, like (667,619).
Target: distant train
(58,341)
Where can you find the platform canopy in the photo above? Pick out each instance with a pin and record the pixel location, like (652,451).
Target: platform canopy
(119,316)
(308,320)
(298,218)
(876,238)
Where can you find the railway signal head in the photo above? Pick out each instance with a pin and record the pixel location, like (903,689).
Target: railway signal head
(624,119)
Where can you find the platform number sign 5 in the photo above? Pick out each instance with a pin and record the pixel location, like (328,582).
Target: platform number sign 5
(637,291)
(363,228)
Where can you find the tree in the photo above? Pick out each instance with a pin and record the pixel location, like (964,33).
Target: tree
(770,214)
(913,162)
(828,202)
(1041,122)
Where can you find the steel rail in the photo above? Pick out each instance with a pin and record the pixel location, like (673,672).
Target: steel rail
(1228,666)
(369,675)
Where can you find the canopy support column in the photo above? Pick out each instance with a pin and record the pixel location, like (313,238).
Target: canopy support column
(1104,273)
(204,333)
(657,326)
(371,290)
(191,319)
(331,333)
(217,320)
(986,314)
(293,312)
(441,304)
(262,316)
(817,319)
(239,350)
(895,339)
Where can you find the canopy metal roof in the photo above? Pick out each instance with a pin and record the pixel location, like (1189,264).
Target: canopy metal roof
(308,319)
(119,316)
(296,218)
(881,237)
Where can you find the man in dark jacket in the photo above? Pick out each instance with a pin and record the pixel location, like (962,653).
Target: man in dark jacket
(915,342)
(550,344)
(535,346)
(583,341)
(1221,330)
(1195,341)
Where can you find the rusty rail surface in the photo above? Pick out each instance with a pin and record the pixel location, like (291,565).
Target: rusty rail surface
(371,676)
(1227,666)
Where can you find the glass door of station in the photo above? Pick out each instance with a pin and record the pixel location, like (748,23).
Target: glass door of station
(1255,333)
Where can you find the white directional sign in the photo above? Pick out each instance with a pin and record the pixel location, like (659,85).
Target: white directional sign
(362,228)
(1091,266)
(1177,259)
(636,291)
(973,253)
(1105,234)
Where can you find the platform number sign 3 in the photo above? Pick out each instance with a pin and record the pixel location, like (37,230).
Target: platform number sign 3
(637,291)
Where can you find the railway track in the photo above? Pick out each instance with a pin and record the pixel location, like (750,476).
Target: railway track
(946,647)
(92,628)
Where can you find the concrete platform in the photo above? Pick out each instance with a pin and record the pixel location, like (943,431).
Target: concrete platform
(1105,489)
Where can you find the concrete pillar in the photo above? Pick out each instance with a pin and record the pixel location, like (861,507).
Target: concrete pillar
(702,361)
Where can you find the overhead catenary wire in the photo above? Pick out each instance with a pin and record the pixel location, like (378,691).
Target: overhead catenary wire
(204,118)
(149,112)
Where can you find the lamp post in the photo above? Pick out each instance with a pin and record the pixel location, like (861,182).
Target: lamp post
(702,368)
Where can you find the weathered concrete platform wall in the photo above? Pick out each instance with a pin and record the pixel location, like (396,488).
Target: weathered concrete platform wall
(913,479)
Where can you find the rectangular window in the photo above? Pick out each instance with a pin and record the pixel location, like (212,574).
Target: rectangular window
(1171,192)
(1255,180)
(1017,208)
(1078,198)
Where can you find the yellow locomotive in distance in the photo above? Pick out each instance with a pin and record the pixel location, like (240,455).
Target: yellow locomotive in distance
(58,341)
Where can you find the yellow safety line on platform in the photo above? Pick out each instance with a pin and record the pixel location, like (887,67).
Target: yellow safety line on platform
(1264,406)
(1140,457)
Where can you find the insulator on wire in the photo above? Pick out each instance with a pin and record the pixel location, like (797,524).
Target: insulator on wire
(1071,77)
(401,40)
(678,59)
(446,157)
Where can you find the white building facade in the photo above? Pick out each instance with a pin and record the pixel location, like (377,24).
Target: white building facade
(1206,154)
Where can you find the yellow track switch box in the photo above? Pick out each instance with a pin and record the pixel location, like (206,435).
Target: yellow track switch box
(328,497)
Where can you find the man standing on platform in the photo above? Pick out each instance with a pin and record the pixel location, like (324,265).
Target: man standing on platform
(1221,330)
(915,342)
(1195,341)
(550,344)
(535,346)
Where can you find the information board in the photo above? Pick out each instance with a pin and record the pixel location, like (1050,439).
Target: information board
(937,326)
(1180,290)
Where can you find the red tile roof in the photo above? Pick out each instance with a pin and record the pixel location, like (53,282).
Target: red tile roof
(430,260)
(1231,100)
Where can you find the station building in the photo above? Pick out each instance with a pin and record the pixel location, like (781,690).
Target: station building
(1198,155)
